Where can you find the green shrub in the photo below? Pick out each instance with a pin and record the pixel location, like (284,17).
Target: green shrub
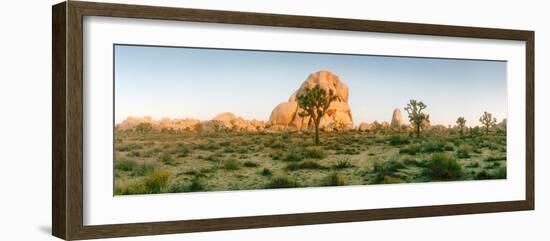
(134,154)
(293,155)
(500,173)
(282,182)
(231,165)
(266,172)
(397,140)
(196,185)
(250,164)
(334,179)
(387,168)
(183,151)
(129,147)
(143,169)
(462,153)
(304,165)
(472,165)
(433,146)
(494,159)
(156,181)
(341,164)
(411,149)
(125,165)
(209,146)
(167,159)
(443,167)
(314,152)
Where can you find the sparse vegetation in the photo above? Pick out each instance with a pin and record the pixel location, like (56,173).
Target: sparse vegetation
(159,162)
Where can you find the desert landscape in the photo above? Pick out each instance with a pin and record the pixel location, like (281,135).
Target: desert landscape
(309,140)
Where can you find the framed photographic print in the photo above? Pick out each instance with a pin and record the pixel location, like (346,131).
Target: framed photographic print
(170,120)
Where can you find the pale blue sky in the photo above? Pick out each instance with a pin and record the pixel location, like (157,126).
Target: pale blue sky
(201,83)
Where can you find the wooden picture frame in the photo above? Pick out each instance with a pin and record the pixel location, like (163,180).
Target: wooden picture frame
(67,119)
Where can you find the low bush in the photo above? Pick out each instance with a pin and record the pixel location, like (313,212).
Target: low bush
(334,179)
(167,159)
(292,155)
(250,164)
(125,165)
(443,167)
(156,181)
(282,182)
(473,165)
(143,169)
(231,165)
(494,159)
(266,172)
(387,168)
(411,149)
(129,147)
(304,165)
(397,140)
(314,152)
(341,164)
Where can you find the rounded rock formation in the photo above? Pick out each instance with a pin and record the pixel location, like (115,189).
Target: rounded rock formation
(285,116)
(396,119)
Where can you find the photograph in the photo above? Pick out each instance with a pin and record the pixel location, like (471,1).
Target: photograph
(190,119)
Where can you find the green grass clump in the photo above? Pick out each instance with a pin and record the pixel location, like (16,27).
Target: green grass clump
(167,159)
(231,165)
(397,140)
(156,181)
(472,165)
(250,164)
(196,185)
(183,151)
(494,159)
(266,172)
(443,167)
(143,169)
(411,149)
(314,152)
(334,179)
(433,146)
(125,165)
(129,147)
(387,168)
(282,182)
(292,155)
(304,165)
(341,164)
(462,153)
(499,173)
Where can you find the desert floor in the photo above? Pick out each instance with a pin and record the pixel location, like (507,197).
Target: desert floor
(163,162)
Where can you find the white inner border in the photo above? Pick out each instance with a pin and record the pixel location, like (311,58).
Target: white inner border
(100,207)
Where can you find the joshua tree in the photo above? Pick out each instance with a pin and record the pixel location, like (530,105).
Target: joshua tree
(461,122)
(314,103)
(416,117)
(488,121)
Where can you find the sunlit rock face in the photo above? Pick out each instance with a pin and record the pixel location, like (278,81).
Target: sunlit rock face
(285,116)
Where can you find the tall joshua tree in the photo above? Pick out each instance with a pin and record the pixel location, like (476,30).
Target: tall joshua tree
(416,116)
(314,103)
(461,122)
(488,121)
